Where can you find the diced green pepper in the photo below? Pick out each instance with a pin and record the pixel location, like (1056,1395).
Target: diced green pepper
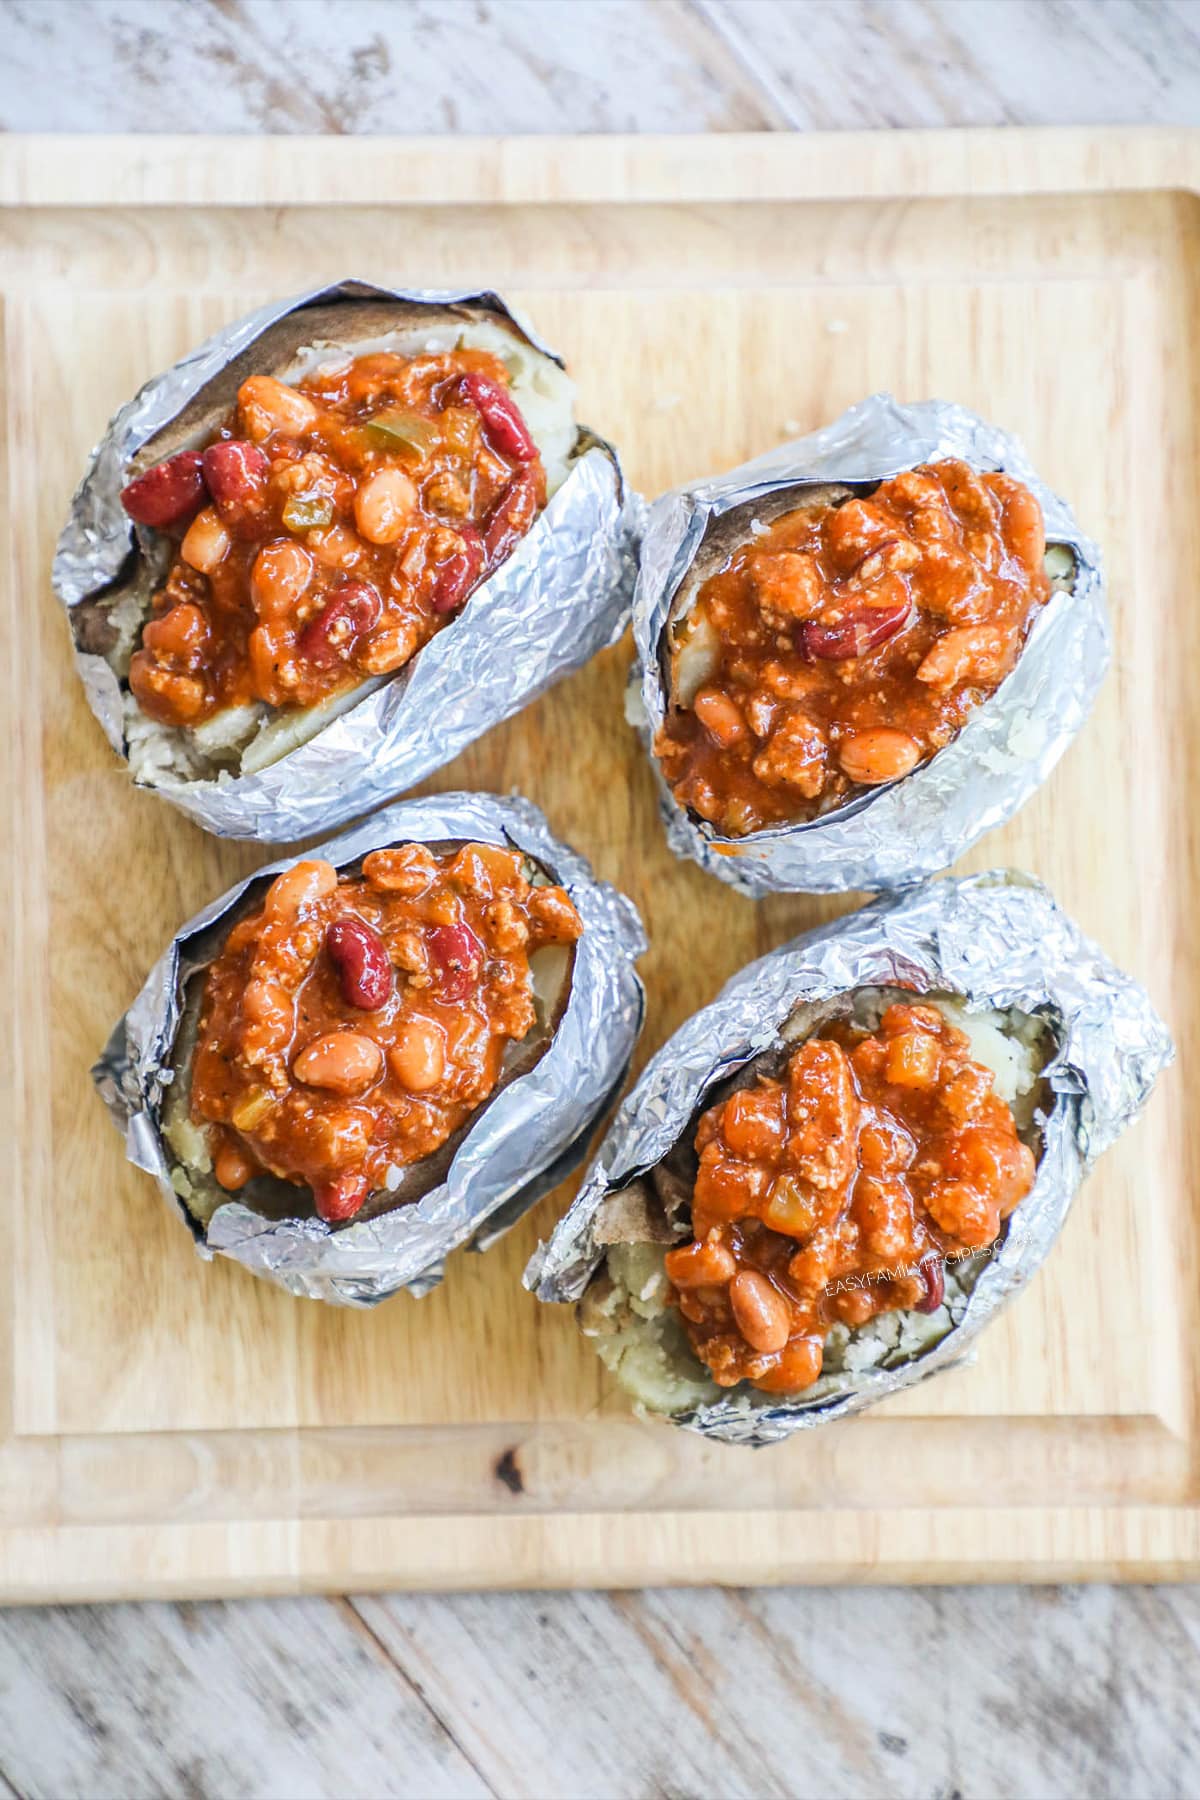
(398,429)
(304,512)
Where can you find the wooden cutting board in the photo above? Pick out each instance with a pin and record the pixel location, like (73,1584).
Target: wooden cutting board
(171,1427)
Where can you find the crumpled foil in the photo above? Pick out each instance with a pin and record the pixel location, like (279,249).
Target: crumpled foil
(531,1135)
(999,940)
(563,595)
(892,835)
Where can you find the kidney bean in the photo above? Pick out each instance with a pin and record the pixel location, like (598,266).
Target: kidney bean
(459,573)
(364,972)
(236,473)
(340,1199)
(511,516)
(760,1312)
(458,954)
(860,629)
(502,421)
(171,493)
(329,638)
(933,1274)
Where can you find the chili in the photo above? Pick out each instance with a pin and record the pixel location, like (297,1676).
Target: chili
(352,1023)
(330,529)
(836,1193)
(853,641)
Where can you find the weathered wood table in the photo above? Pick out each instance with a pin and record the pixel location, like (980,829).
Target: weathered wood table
(848,1692)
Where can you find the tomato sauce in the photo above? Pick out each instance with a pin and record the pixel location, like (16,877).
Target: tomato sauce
(330,529)
(352,1023)
(837,1192)
(853,641)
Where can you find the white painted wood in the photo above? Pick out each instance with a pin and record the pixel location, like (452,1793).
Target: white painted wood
(988,1692)
(400,66)
(267,1699)
(395,66)
(995,1693)
(913,63)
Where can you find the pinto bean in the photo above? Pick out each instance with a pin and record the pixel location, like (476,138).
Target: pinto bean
(384,504)
(707,1263)
(266,405)
(872,757)
(979,654)
(760,1311)
(177,636)
(386,648)
(299,886)
(798,1367)
(344,1062)
(334,547)
(280,577)
(418,1056)
(719,715)
(205,542)
(232,1167)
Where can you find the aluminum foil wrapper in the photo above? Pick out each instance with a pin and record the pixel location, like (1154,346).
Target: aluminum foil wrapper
(997,940)
(892,835)
(563,595)
(529,1137)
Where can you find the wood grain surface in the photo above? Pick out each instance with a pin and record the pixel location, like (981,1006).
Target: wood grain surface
(981,1692)
(146,1452)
